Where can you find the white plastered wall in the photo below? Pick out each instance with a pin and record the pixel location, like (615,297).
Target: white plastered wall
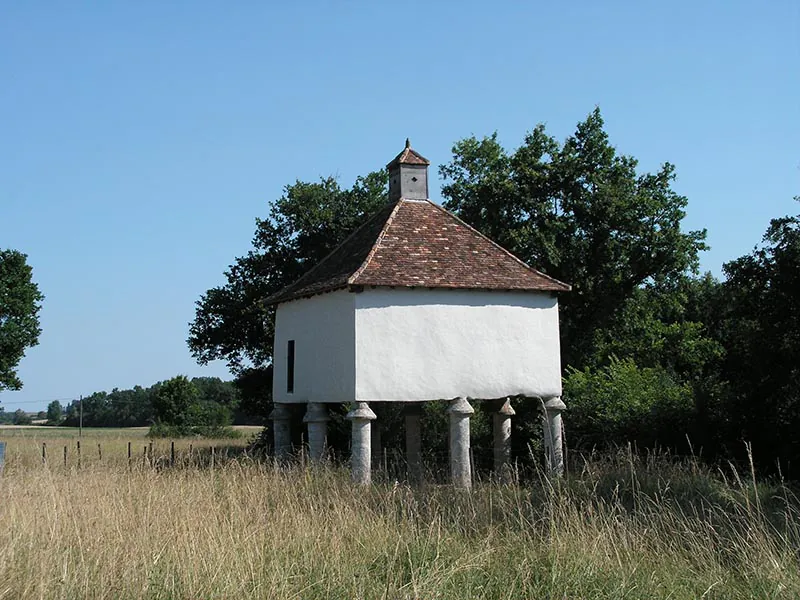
(323,328)
(416,345)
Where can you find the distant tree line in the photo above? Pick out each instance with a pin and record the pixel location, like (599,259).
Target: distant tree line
(654,353)
(18,417)
(201,402)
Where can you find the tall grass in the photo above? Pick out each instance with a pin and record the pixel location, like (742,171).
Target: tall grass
(621,528)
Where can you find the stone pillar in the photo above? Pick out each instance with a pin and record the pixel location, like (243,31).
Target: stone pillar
(553,444)
(502,441)
(413,414)
(281,418)
(360,443)
(460,467)
(317,418)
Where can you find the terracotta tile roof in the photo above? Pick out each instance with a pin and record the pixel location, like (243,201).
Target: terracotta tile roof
(408,156)
(416,243)
(333,271)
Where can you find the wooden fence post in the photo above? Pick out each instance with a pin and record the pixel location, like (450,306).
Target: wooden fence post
(99,452)
(172,453)
(79,454)
(65,456)
(44,453)
(130,464)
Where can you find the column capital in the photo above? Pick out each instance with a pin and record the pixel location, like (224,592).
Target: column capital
(361,411)
(316,412)
(460,406)
(555,405)
(280,412)
(504,408)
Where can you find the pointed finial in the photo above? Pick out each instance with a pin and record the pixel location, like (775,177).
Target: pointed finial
(408,143)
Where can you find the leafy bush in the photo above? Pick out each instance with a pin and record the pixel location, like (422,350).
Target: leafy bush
(623,403)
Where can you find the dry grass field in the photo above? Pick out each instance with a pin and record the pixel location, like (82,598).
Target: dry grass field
(622,528)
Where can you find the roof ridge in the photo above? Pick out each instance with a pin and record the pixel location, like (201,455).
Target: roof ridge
(567,287)
(321,263)
(354,277)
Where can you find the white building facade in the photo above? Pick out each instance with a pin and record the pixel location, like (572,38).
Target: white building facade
(416,345)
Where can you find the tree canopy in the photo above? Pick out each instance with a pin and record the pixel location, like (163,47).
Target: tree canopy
(759,323)
(55,413)
(209,398)
(20,302)
(580,212)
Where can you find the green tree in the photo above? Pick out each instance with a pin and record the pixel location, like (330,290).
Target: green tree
(760,328)
(578,211)
(55,413)
(21,417)
(97,410)
(172,400)
(20,301)
(130,408)
(71,414)
(216,391)
(206,413)
(181,408)
(304,225)
(667,327)
(675,328)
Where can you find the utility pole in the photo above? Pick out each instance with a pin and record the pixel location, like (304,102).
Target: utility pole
(80,418)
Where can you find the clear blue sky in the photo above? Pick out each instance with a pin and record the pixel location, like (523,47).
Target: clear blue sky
(139,140)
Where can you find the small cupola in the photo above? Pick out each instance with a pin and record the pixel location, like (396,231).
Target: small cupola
(408,175)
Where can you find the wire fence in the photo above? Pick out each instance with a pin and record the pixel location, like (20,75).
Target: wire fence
(118,455)
(388,464)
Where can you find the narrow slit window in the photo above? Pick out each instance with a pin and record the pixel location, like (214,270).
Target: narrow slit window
(290,368)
